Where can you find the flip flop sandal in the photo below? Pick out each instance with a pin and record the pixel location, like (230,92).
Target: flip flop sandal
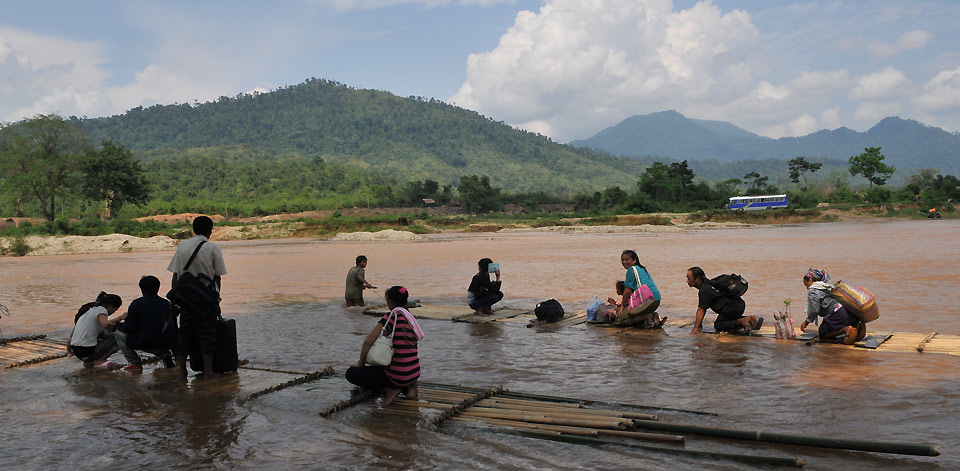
(658,324)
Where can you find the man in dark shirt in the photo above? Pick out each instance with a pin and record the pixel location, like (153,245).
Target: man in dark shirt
(729,310)
(483,293)
(149,326)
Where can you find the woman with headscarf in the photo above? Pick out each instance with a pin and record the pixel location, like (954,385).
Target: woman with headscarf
(836,320)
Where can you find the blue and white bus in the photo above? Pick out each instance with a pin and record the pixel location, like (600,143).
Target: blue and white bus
(757,202)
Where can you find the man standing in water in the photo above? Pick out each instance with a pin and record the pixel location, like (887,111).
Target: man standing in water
(356,283)
(729,309)
(198,328)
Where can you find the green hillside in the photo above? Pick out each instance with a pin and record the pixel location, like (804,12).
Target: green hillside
(401,138)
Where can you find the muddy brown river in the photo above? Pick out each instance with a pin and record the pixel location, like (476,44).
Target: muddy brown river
(286,298)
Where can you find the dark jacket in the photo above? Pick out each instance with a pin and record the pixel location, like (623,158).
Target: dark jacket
(481,285)
(144,326)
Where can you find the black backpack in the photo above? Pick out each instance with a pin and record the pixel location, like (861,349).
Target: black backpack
(731,286)
(549,311)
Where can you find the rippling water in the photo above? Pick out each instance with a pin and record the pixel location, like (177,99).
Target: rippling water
(285,295)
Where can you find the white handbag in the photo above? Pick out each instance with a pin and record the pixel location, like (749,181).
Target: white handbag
(381,352)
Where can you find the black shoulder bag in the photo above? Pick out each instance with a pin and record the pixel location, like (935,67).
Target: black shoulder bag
(196,294)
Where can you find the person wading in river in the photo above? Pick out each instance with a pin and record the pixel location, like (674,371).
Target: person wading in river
(729,310)
(198,328)
(356,283)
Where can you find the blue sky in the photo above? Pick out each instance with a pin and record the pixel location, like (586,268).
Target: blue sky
(564,68)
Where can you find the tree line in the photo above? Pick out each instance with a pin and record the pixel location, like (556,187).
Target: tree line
(49,168)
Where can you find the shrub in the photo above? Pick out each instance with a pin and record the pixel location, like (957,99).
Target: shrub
(18,245)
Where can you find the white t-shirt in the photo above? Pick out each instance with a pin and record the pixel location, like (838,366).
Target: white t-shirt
(209,260)
(88,327)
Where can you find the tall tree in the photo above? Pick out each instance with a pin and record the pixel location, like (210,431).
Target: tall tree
(111,175)
(44,152)
(759,182)
(799,167)
(476,194)
(870,165)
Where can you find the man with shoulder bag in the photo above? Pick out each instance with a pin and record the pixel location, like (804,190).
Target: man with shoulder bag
(197,267)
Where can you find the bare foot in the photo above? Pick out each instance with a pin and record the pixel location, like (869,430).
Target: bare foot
(412,391)
(391,395)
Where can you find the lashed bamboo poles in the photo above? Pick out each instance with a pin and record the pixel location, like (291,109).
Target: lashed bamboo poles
(920,449)
(458,408)
(926,340)
(326,372)
(363,396)
(567,418)
(558,399)
(22,337)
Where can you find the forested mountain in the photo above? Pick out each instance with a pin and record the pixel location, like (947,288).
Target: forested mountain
(402,138)
(907,144)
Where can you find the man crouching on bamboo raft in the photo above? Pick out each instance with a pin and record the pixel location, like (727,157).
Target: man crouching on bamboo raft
(729,309)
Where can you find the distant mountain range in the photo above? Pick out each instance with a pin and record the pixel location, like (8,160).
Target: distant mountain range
(402,138)
(907,144)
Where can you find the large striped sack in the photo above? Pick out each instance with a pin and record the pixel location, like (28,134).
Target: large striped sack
(857,300)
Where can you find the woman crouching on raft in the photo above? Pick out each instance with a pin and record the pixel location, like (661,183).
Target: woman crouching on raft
(644,315)
(404,369)
(836,320)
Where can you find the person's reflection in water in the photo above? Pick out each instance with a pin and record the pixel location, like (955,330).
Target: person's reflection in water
(211,420)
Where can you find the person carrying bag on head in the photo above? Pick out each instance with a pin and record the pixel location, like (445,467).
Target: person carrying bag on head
(198,265)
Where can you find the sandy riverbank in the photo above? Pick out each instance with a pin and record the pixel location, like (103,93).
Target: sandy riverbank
(118,243)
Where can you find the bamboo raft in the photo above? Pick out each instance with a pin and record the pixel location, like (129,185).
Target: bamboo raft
(569,420)
(933,342)
(465,314)
(28,350)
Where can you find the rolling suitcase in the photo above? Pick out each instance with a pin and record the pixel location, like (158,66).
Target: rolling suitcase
(225,359)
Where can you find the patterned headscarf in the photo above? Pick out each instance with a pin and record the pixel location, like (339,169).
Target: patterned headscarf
(817,275)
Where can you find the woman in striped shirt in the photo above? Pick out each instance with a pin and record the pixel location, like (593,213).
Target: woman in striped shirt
(404,369)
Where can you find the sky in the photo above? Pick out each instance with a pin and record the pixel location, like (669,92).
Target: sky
(563,68)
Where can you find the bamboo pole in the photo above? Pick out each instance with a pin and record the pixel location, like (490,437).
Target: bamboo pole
(555,405)
(413,403)
(619,424)
(919,449)
(589,432)
(23,346)
(592,432)
(540,397)
(753,459)
(554,414)
(494,404)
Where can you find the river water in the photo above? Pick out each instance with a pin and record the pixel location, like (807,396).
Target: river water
(286,298)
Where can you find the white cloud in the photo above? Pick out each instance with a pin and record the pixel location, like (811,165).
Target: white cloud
(799,126)
(43,74)
(916,39)
(830,118)
(887,83)
(942,92)
(872,112)
(576,63)
(156,84)
(374,4)
(821,80)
